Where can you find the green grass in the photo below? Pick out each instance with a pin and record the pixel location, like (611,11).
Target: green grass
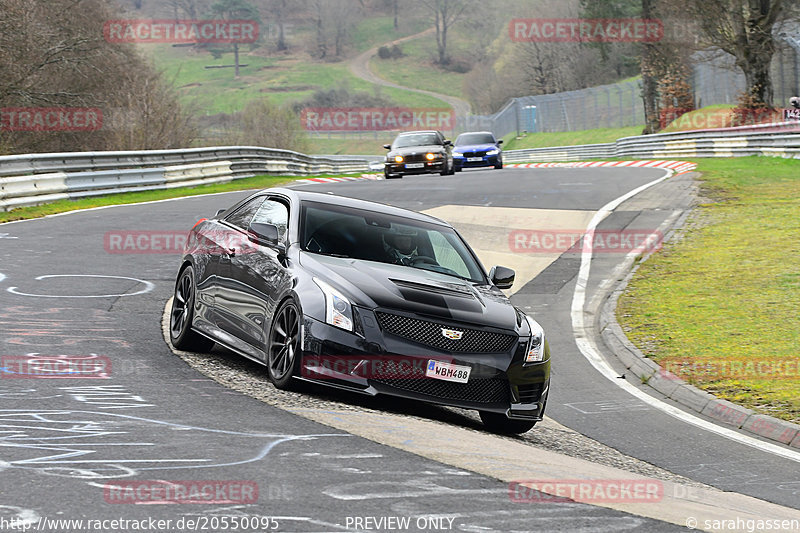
(61,206)
(416,69)
(728,293)
(569,138)
(379,30)
(282,80)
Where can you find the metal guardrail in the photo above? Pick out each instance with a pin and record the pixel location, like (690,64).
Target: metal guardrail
(778,139)
(39,178)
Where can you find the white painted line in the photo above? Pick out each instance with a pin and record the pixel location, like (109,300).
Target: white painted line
(592,354)
(148,286)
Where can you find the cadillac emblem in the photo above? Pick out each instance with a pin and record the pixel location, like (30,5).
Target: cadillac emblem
(452,334)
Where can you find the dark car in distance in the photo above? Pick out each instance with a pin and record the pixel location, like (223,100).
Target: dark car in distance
(364,297)
(419,152)
(477,149)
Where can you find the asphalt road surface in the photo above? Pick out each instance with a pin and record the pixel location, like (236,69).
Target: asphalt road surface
(72,449)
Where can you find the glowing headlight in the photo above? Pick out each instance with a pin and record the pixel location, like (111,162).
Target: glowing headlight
(338,310)
(398,159)
(430,156)
(535,351)
(458,154)
(493,152)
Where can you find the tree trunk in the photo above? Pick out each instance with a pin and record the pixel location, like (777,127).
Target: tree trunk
(236,59)
(396,26)
(755,62)
(649,83)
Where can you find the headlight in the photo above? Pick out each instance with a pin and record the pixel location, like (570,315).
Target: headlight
(535,351)
(458,154)
(338,310)
(398,159)
(430,156)
(493,152)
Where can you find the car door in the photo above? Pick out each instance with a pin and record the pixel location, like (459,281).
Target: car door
(255,278)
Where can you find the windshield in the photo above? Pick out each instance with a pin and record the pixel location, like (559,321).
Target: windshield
(422,139)
(372,236)
(475,138)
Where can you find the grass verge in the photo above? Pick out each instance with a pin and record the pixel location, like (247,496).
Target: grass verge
(61,206)
(719,306)
(569,138)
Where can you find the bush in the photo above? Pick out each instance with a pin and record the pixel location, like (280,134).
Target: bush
(263,124)
(395,52)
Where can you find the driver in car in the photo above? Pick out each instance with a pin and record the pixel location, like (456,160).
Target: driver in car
(401,246)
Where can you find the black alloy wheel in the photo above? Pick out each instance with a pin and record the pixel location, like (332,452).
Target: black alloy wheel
(180,317)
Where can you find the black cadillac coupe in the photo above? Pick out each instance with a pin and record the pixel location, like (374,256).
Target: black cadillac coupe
(364,297)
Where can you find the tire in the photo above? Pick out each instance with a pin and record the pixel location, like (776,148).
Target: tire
(499,165)
(283,346)
(499,423)
(182,313)
(458,169)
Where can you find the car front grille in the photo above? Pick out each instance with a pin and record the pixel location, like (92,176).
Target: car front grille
(479,153)
(480,390)
(430,333)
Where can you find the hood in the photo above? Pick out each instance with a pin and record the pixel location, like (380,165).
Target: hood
(428,294)
(475,147)
(416,149)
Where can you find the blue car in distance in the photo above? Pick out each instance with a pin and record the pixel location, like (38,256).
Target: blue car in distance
(477,149)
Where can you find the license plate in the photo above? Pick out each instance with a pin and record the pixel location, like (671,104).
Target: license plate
(447,371)
(474,159)
(415,165)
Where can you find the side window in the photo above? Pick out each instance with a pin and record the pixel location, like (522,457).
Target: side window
(446,255)
(241,217)
(273,212)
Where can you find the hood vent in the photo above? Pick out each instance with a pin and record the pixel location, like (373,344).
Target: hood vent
(459,291)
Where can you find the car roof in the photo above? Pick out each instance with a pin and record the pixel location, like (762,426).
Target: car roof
(416,132)
(345,201)
(471,132)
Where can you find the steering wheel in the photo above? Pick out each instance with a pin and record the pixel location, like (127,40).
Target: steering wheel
(424,259)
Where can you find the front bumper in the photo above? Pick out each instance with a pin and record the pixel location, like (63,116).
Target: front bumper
(381,363)
(486,161)
(430,167)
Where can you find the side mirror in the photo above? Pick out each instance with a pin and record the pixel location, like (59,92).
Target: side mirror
(502,277)
(219,213)
(265,234)
(500,142)
(448,142)
(387,146)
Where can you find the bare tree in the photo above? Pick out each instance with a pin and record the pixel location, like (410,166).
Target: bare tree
(52,54)
(743,28)
(333,21)
(446,13)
